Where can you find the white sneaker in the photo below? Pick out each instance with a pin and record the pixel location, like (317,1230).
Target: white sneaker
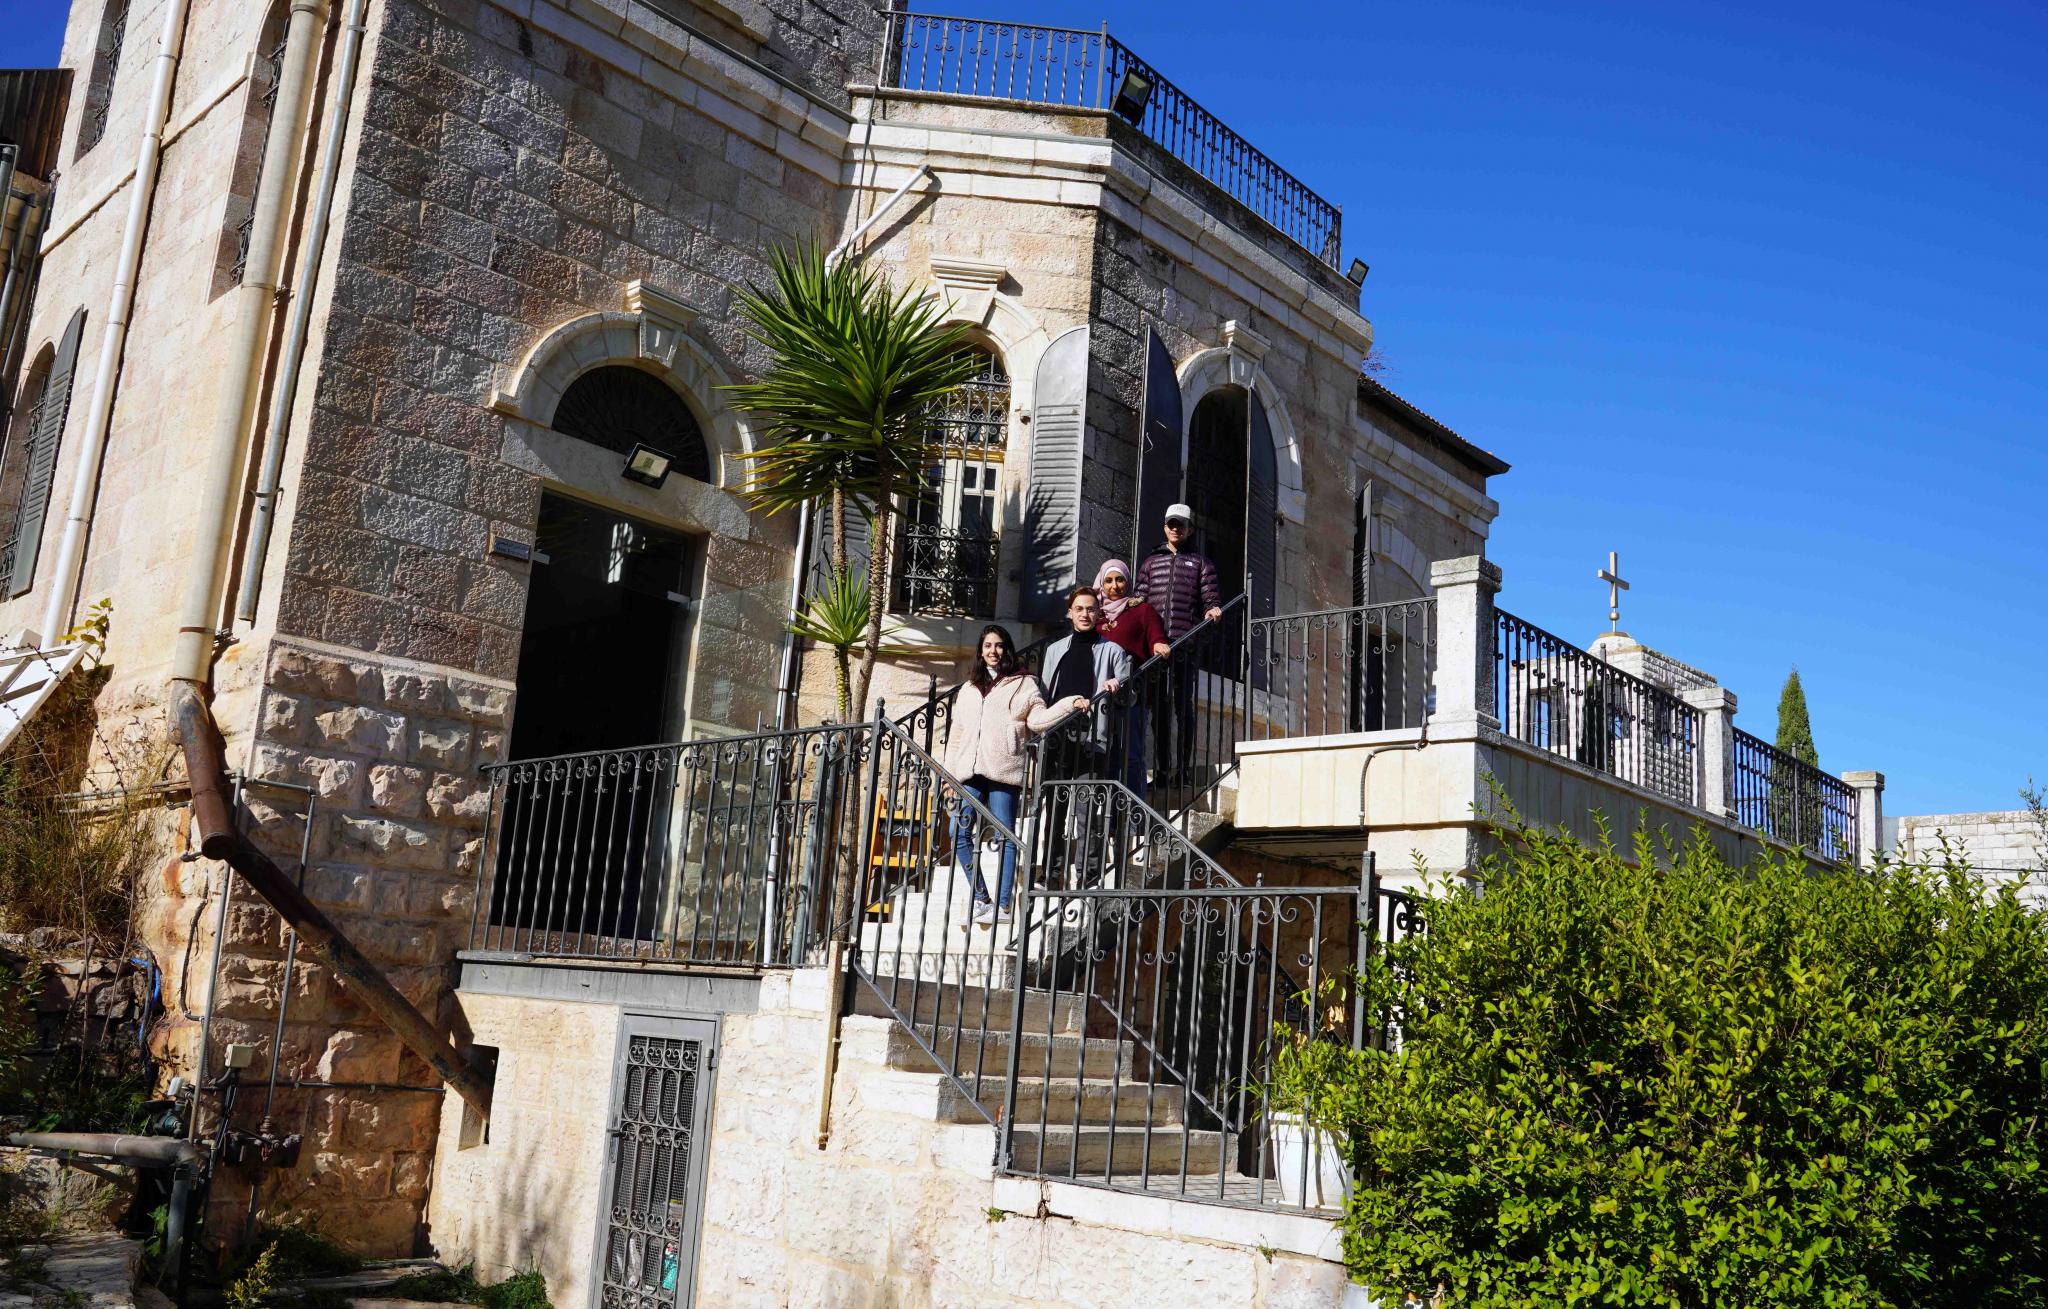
(985,914)
(1003,914)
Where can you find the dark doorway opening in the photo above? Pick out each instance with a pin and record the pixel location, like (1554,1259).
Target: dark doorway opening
(1216,481)
(603,666)
(601,661)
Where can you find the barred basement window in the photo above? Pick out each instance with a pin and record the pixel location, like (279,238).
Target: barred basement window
(946,543)
(619,406)
(106,62)
(232,259)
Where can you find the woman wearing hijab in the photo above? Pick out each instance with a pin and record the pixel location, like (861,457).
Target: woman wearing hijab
(1136,626)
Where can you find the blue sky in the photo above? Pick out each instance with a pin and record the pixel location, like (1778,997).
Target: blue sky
(1750,293)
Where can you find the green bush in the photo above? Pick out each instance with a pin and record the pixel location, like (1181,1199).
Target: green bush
(1660,1080)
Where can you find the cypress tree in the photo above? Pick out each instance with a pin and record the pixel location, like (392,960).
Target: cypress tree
(1797,807)
(1795,729)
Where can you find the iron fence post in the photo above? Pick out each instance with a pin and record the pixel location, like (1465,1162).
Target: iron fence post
(1368,931)
(1101,68)
(486,856)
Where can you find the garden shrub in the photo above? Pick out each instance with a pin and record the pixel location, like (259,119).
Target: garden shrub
(1656,1079)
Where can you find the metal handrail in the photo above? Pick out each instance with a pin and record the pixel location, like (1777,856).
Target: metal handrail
(1074,68)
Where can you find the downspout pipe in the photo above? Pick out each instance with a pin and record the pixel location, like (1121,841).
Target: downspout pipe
(99,411)
(263,513)
(213,508)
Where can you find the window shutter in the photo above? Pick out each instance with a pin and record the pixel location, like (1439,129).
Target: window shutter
(1261,515)
(1159,460)
(1052,502)
(42,458)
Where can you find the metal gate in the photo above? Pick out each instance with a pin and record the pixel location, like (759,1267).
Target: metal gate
(660,1117)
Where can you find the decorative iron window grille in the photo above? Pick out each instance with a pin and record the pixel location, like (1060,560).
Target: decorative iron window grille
(269,67)
(619,406)
(107,63)
(946,541)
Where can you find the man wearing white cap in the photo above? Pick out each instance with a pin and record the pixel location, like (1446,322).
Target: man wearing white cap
(1181,584)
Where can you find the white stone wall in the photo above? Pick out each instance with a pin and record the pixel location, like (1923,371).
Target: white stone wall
(2008,841)
(902,1209)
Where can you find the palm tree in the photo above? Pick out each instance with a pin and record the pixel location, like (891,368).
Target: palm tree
(851,403)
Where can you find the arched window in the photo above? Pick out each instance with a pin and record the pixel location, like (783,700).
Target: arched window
(257,110)
(619,406)
(106,62)
(946,547)
(40,434)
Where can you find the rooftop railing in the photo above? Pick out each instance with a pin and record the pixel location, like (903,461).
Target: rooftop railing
(1550,694)
(1080,69)
(1792,801)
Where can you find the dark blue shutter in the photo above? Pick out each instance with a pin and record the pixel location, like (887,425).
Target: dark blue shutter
(1159,459)
(1261,515)
(43,441)
(1052,502)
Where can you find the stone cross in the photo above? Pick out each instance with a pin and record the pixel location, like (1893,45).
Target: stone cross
(1615,586)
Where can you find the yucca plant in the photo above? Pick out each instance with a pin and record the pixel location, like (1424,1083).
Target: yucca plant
(838,616)
(850,402)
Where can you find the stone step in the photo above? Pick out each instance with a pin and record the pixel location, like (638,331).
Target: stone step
(925,1001)
(1120,1151)
(954,968)
(1100,1101)
(1038,1056)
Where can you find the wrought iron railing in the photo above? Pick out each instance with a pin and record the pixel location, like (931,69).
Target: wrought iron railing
(1792,801)
(1152,1006)
(1554,696)
(941,571)
(1093,70)
(719,851)
(1363,669)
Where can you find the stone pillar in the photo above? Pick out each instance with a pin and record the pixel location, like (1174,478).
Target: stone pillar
(1717,747)
(1464,645)
(1869,816)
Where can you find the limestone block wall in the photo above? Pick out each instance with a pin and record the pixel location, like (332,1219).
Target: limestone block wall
(388,756)
(2007,841)
(903,1210)
(526,1194)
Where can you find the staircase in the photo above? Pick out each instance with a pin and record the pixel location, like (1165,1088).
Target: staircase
(1114,1032)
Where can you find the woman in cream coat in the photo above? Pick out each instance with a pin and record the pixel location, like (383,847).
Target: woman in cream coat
(998,710)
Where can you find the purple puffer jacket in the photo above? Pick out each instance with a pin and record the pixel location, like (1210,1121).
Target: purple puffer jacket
(1182,587)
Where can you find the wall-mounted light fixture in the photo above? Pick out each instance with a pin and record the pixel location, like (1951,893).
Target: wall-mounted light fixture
(1356,273)
(647,466)
(1132,93)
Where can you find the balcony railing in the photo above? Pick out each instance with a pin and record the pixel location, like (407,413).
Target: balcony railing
(1793,801)
(1554,696)
(1363,669)
(1087,70)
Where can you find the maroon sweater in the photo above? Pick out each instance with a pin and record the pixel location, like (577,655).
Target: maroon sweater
(1136,629)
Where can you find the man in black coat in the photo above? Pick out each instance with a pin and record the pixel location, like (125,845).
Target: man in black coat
(1181,584)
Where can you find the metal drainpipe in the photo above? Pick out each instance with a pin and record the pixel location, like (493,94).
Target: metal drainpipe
(263,514)
(99,410)
(227,445)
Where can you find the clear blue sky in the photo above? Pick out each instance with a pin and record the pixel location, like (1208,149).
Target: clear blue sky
(1752,293)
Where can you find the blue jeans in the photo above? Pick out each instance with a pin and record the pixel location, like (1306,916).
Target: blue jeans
(1001,801)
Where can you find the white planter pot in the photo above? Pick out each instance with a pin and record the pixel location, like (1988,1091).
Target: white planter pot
(1311,1163)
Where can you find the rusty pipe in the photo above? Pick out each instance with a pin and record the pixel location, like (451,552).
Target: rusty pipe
(220,839)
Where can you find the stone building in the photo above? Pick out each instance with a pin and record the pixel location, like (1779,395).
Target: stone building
(356,315)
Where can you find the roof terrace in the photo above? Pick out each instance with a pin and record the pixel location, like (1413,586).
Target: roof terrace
(1077,69)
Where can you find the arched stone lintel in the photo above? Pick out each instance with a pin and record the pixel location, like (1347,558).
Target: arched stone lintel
(1237,364)
(648,334)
